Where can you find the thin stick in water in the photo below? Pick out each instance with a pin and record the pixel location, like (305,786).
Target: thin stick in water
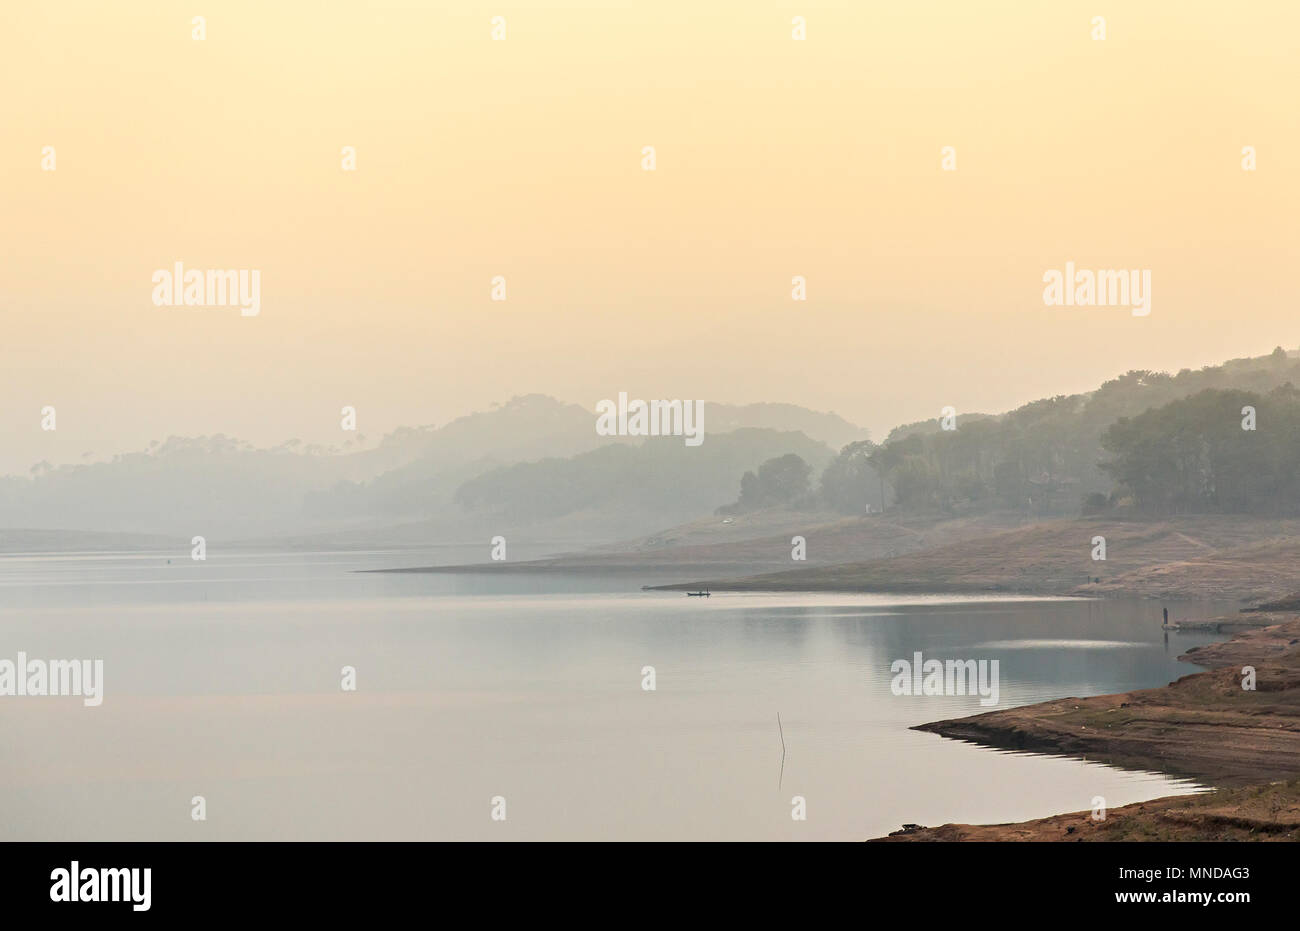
(780,730)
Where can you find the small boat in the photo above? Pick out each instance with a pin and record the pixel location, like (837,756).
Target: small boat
(703,594)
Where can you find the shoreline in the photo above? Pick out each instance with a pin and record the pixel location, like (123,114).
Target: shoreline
(1204,726)
(1268,812)
(1194,558)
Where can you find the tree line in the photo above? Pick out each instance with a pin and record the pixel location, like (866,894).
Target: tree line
(1222,439)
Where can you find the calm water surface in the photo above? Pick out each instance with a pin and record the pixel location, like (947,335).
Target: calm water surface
(222,679)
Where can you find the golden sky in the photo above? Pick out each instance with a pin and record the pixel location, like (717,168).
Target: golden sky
(522,158)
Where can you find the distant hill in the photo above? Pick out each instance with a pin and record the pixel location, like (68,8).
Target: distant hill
(220,485)
(831,429)
(656,483)
(538,463)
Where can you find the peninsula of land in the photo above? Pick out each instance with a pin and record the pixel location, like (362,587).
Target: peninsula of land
(1205,726)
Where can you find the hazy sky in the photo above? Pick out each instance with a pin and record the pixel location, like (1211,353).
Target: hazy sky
(522,158)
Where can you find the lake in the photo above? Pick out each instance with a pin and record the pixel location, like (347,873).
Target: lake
(222,680)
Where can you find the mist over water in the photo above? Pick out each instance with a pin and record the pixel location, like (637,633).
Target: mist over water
(222,679)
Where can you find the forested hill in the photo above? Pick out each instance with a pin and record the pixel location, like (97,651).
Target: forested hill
(1152,440)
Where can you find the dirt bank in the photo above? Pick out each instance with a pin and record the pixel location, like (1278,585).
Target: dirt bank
(1202,557)
(1204,726)
(1268,812)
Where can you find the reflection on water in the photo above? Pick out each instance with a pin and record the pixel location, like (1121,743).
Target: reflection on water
(222,679)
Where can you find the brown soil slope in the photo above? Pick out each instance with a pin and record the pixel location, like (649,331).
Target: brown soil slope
(1268,813)
(760,541)
(1194,557)
(1204,726)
